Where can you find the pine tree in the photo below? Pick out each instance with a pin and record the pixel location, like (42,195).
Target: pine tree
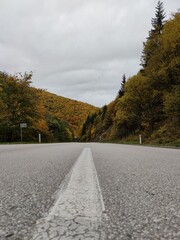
(158,21)
(150,46)
(121,90)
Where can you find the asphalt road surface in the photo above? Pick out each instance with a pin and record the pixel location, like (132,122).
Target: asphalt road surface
(89,191)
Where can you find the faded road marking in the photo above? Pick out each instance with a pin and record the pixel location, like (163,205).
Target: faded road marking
(77,214)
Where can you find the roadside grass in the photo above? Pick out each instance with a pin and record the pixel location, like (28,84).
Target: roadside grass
(134,140)
(130,140)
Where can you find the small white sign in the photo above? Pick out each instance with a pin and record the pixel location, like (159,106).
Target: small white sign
(23,125)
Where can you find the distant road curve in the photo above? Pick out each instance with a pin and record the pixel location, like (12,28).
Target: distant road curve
(113,191)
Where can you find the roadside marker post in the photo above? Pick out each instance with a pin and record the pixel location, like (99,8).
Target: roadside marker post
(140,139)
(39,138)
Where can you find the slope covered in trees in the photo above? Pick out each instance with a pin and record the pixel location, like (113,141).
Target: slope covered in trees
(149,102)
(67,110)
(55,118)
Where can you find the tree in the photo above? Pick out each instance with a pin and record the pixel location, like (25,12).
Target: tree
(109,117)
(158,21)
(172,103)
(150,46)
(167,67)
(3,107)
(121,90)
(21,104)
(60,130)
(137,110)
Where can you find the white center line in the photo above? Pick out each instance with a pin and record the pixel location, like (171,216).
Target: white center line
(77,214)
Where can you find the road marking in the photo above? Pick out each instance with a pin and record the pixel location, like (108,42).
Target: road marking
(77,213)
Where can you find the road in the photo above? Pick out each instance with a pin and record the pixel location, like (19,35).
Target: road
(89,191)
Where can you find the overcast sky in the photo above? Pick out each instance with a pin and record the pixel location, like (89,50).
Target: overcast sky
(76,48)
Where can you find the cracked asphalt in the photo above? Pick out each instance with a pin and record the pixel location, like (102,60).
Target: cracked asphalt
(30,175)
(140,187)
(78,211)
(141,191)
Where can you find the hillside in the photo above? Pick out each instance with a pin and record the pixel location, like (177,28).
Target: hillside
(71,111)
(56,118)
(148,104)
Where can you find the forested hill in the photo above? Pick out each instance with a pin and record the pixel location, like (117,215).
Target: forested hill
(70,111)
(55,118)
(149,102)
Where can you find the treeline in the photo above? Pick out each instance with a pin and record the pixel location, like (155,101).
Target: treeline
(57,119)
(149,102)
(71,111)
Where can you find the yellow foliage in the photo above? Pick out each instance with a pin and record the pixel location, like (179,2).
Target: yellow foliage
(67,110)
(41,126)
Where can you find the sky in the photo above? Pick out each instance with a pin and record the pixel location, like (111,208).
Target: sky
(78,49)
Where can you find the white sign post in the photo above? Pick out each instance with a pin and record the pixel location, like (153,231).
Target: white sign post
(22,125)
(140,139)
(39,138)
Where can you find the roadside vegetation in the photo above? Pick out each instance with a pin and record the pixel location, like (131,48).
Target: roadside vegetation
(147,104)
(57,119)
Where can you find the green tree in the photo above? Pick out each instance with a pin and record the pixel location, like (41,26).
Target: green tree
(172,111)
(121,90)
(172,103)
(60,130)
(109,117)
(158,21)
(152,43)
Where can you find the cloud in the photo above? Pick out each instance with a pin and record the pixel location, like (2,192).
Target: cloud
(79,49)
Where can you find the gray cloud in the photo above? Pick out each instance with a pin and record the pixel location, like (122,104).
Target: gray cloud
(76,48)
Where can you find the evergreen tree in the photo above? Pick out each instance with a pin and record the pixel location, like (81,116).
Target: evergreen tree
(158,21)
(152,43)
(121,90)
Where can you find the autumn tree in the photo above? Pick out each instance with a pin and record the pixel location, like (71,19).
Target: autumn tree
(21,106)
(3,107)
(130,114)
(109,117)
(167,67)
